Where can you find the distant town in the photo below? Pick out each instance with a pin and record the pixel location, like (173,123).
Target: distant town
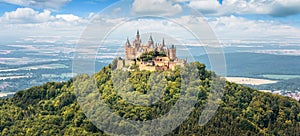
(267,85)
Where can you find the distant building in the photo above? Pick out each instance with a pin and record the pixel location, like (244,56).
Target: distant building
(164,57)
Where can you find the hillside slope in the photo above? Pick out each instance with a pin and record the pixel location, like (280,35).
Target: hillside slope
(52,109)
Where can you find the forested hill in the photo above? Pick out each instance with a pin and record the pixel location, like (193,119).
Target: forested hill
(52,109)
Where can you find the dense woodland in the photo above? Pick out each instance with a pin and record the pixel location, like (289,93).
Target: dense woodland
(52,109)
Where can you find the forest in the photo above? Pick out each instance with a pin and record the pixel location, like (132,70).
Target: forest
(54,108)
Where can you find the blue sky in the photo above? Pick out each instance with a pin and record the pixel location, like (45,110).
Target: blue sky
(229,18)
(220,1)
(77,7)
(83,8)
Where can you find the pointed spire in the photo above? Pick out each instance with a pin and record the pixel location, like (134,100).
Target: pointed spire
(151,39)
(138,35)
(163,43)
(150,42)
(127,42)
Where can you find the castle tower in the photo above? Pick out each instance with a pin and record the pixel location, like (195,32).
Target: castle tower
(151,42)
(127,43)
(138,35)
(163,45)
(137,42)
(128,49)
(172,52)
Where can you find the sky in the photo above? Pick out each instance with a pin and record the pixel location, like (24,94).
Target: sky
(64,21)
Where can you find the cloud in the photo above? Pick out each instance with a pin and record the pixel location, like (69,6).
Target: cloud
(26,15)
(285,8)
(266,7)
(232,27)
(156,7)
(47,4)
(25,22)
(276,8)
(68,17)
(225,27)
(206,7)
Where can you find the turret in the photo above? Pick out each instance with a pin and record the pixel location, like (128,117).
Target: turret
(172,52)
(151,39)
(173,47)
(127,43)
(138,35)
(150,42)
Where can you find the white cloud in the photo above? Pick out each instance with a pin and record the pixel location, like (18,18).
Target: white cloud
(227,27)
(68,17)
(16,2)
(213,7)
(268,7)
(210,6)
(180,0)
(286,7)
(30,16)
(26,22)
(47,4)
(156,7)
(26,15)
(233,27)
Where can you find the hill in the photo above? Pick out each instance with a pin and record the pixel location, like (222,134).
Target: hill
(52,109)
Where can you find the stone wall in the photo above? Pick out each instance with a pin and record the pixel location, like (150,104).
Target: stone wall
(146,67)
(120,64)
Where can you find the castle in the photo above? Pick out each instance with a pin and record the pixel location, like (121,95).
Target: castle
(151,56)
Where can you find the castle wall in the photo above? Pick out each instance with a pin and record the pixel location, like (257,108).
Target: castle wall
(131,53)
(145,67)
(129,62)
(120,64)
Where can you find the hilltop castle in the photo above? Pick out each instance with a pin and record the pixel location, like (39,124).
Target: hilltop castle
(151,56)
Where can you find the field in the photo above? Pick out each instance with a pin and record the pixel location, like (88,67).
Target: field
(48,66)
(250,81)
(13,77)
(62,75)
